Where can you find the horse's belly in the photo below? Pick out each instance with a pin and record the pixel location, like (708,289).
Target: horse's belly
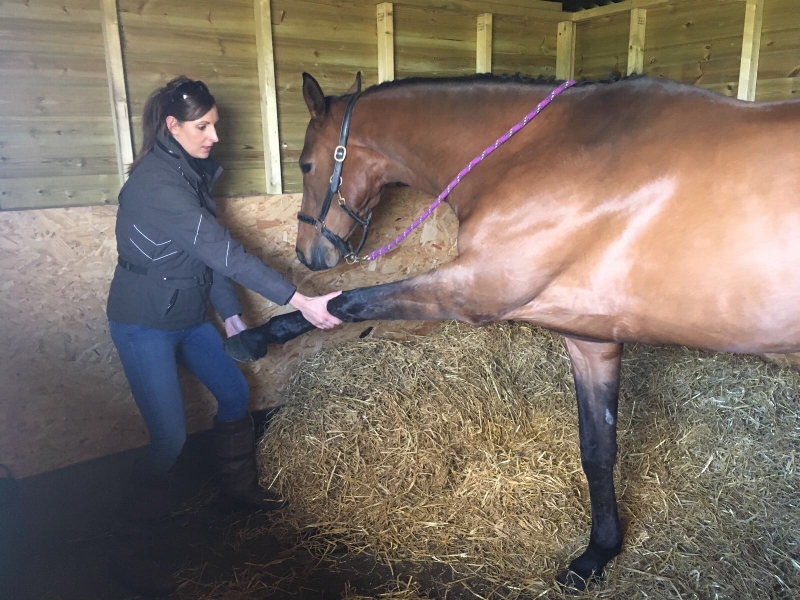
(687,320)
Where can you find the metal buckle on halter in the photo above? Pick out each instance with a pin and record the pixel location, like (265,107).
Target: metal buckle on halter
(318,225)
(340,153)
(341,201)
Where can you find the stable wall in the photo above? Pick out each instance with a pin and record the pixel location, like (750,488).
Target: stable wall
(64,394)
(64,397)
(698,42)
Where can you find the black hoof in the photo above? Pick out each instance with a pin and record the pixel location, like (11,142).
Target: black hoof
(587,569)
(244,348)
(570,582)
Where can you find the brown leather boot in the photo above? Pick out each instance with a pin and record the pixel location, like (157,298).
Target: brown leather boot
(141,528)
(234,445)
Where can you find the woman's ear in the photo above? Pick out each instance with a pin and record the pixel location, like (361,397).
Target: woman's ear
(172,124)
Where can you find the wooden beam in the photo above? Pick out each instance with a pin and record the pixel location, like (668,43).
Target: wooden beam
(115,68)
(541,11)
(610,9)
(565,50)
(483,51)
(385,42)
(751,45)
(269,97)
(636,40)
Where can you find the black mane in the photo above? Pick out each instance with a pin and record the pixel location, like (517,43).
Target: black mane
(516,78)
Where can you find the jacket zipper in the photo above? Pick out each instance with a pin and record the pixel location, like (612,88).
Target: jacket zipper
(171,302)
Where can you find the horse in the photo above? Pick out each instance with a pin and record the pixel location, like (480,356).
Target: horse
(637,210)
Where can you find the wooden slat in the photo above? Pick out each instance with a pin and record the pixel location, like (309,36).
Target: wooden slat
(565,52)
(610,9)
(751,44)
(48,192)
(601,46)
(385,24)
(116,88)
(269,99)
(636,41)
(521,45)
(422,50)
(551,12)
(69,11)
(483,50)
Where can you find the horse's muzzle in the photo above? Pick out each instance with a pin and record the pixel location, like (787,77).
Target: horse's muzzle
(321,257)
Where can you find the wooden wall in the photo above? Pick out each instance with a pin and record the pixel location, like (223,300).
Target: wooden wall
(698,42)
(56,135)
(779,64)
(209,40)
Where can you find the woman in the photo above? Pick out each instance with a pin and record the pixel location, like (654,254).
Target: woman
(175,258)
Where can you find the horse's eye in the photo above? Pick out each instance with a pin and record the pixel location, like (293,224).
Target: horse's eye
(305,167)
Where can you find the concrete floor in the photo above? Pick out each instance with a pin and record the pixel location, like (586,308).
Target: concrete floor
(66,518)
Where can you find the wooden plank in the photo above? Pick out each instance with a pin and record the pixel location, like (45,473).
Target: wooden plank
(49,192)
(610,9)
(751,44)
(522,45)
(636,41)
(565,50)
(269,99)
(67,11)
(385,22)
(118,95)
(483,50)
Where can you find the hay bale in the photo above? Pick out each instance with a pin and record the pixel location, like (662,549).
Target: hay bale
(462,447)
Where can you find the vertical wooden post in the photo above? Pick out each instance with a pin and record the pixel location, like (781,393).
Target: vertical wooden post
(751,46)
(636,41)
(565,50)
(115,68)
(483,50)
(269,97)
(385,42)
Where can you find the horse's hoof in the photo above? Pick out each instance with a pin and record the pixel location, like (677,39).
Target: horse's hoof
(241,348)
(570,582)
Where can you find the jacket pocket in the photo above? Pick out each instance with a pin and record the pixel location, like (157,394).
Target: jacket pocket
(172,302)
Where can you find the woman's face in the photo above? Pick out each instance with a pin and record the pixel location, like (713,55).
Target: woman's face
(196,137)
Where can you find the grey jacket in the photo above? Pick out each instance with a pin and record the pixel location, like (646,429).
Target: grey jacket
(174,255)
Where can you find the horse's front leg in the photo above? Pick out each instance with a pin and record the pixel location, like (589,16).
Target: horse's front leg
(450,292)
(596,369)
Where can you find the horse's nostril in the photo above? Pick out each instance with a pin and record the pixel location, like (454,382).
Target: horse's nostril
(301,257)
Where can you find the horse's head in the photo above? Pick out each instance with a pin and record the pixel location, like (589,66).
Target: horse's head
(338,194)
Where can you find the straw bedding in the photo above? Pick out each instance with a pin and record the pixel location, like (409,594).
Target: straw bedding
(462,447)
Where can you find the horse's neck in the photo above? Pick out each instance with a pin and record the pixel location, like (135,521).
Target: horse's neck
(429,135)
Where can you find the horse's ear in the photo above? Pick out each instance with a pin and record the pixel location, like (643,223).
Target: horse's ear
(315,99)
(356,87)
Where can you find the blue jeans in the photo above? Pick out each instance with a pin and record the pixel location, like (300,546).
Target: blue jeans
(151,357)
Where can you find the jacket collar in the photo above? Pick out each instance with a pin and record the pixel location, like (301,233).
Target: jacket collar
(196,171)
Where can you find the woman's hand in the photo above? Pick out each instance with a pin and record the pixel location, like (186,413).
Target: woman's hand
(315,309)
(234,325)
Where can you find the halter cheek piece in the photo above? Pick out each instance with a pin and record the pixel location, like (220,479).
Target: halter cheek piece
(339,154)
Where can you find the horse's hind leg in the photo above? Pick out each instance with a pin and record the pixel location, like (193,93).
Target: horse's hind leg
(596,369)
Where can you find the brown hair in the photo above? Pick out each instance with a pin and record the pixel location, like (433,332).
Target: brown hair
(182,98)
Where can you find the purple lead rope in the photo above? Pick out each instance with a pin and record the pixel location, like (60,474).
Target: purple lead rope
(475,161)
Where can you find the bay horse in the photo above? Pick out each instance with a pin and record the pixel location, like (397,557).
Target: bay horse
(640,210)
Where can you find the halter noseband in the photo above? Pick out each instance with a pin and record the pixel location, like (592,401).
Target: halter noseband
(339,154)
